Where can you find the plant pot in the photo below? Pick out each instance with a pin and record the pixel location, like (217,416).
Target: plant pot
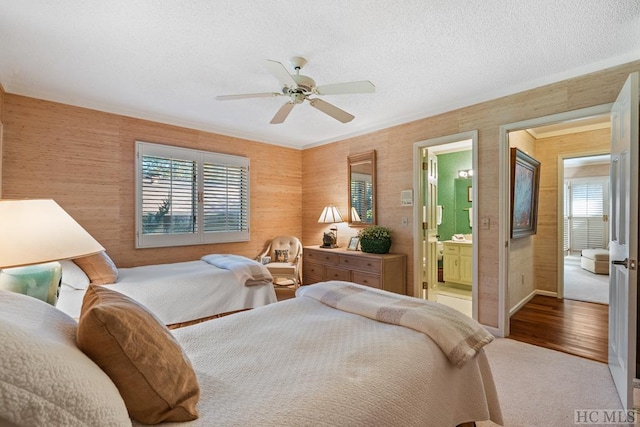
(375,246)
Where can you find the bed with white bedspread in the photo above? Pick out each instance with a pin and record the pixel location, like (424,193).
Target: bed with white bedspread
(306,361)
(177,292)
(301,362)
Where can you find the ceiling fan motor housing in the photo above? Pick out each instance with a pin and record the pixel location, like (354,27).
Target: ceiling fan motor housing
(304,82)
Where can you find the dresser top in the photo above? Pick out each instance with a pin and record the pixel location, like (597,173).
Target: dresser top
(345,251)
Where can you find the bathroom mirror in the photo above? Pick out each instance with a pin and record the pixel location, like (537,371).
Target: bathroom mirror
(361,173)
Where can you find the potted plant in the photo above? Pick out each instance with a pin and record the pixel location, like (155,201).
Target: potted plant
(375,239)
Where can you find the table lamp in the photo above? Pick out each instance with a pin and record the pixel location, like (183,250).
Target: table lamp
(355,217)
(34,235)
(330,215)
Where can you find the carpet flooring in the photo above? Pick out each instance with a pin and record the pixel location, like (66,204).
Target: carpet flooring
(582,285)
(541,387)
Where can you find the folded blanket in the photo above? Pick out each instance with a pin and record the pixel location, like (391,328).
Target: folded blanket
(248,271)
(458,336)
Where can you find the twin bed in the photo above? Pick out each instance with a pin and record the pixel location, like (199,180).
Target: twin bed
(178,293)
(337,354)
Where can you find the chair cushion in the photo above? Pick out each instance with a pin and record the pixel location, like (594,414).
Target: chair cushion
(282,255)
(281,268)
(596,254)
(140,355)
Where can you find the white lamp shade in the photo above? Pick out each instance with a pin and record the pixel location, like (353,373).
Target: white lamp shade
(330,215)
(38,231)
(355,217)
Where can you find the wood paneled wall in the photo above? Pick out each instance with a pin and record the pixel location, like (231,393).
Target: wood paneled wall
(522,278)
(324,167)
(84,159)
(548,151)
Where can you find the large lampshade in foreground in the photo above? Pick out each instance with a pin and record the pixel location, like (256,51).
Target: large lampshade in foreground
(34,234)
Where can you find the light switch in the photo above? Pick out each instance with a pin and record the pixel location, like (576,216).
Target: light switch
(484,223)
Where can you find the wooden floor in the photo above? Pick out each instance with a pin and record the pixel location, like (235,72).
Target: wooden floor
(575,327)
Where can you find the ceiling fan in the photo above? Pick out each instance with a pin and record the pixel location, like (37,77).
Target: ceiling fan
(299,88)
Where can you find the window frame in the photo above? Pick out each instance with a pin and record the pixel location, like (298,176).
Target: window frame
(200,236)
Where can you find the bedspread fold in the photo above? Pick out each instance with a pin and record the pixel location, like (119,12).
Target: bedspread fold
(458,336)
(248,271)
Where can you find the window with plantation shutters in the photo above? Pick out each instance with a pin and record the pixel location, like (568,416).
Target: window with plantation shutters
(587,200)
(187,197)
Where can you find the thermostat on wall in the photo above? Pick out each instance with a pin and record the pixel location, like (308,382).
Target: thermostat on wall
(406,197)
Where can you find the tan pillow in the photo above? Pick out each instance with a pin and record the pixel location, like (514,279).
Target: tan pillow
(100,269)
(140,355)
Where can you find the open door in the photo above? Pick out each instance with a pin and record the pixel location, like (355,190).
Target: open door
(623,247)
(430,223)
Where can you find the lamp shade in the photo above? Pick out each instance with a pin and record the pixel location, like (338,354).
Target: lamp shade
(355,217)
(330,215)
(39,231)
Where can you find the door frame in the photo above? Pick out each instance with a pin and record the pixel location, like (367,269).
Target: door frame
(417,208)
(504,206)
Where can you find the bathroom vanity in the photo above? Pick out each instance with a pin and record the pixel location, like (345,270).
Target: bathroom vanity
(458,262)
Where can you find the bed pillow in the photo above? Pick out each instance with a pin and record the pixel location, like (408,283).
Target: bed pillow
(44,378)
(73,276)
(100,269)
(143,359)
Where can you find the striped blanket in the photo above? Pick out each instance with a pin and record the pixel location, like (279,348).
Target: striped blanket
(458,336)
(247,271)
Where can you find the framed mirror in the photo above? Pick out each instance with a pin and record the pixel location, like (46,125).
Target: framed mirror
(361,179)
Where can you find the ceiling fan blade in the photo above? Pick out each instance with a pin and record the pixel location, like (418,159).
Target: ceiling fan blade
(280,72)
(282,113)
(332,110)
(364,86)
(247,95)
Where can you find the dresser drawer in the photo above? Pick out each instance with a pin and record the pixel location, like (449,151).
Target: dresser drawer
(372,280)
(451,249)
(313,269)
(323,257)
(309,279)
(360,263)
(333,273)
(466,250)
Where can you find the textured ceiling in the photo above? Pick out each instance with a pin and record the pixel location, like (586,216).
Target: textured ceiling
(167,60)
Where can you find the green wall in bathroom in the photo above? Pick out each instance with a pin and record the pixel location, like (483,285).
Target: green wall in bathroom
(452,194)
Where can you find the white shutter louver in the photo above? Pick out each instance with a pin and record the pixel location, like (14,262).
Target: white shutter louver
(190,197)
(588,210)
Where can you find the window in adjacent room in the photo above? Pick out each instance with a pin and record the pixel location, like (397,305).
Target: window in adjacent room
(189,197)
(586,213)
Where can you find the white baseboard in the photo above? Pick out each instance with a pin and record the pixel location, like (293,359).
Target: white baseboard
(528,298)
(493,331)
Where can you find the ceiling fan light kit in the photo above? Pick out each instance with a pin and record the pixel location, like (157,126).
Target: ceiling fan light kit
(299,87)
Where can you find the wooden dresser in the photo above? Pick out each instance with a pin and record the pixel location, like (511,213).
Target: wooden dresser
(388,271)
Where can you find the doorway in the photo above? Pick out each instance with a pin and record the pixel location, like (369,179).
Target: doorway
(547,278)
(585,222)
(574,174)
(444,219)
